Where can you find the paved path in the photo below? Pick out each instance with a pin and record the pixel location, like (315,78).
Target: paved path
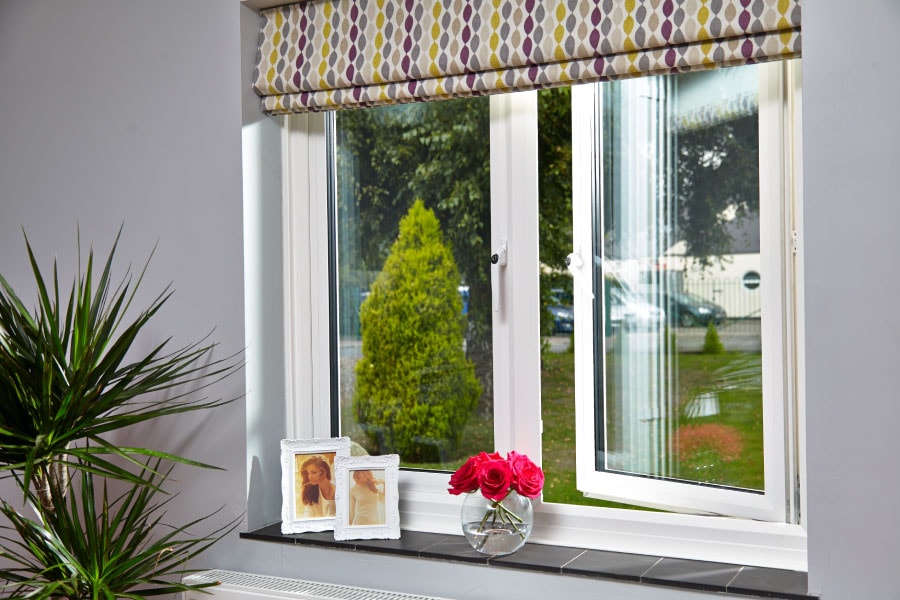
(742,336)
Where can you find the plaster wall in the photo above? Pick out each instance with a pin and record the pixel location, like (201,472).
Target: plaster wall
(851,148)
(128,114)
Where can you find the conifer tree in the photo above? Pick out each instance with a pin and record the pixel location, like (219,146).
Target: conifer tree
(711,342)
(415,388)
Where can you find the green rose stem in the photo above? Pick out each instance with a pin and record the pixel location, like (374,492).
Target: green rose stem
(500,509)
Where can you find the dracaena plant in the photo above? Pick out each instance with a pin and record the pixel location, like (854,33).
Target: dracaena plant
(93,546)
(70,373)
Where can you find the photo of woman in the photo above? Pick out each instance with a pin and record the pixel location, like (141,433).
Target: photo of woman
(314,491)
(366,498)
(309,483)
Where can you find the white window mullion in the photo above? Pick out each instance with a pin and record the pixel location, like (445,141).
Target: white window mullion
(305,189)
(586,181)
(780,106)
(775,250)
(794,191)
(516,326)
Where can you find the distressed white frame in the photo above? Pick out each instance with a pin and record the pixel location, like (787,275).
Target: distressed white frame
(344,466)
(291,522)
(425,504)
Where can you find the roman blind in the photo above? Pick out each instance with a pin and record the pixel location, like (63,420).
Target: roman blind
(330,54)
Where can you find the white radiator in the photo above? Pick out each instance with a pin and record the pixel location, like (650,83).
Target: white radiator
(246,586)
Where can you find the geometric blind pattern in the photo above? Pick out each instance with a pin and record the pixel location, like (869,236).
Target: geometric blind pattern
(330,54)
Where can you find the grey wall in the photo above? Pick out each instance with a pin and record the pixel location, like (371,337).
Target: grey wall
(263,290)
(852,208)
(130,112)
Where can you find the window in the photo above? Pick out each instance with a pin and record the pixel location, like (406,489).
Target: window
(474,164)
(688,201)
(415,316)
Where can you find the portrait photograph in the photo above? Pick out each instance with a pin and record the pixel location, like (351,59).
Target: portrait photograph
(367,500)
(308,483)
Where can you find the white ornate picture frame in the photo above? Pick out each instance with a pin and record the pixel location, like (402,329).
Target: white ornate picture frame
(368,501)
(299,458)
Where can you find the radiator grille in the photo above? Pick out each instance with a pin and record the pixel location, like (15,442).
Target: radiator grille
(261,586)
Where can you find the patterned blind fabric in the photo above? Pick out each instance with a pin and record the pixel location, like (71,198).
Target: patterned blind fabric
(327,54)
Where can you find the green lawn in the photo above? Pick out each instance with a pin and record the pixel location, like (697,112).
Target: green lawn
(724,449)
(558,413)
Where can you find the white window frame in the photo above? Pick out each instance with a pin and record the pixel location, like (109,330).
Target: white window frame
(777,263)
(425,504)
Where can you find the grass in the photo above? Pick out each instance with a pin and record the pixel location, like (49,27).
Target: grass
(558,414)
(725,448)
(701,441)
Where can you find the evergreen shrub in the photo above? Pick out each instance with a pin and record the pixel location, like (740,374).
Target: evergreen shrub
(711,342)
(415,388)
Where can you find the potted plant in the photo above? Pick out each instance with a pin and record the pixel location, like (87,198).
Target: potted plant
(70,374)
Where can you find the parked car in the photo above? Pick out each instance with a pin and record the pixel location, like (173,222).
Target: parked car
(561,308)
(689,310)
(563,318)
(631,312)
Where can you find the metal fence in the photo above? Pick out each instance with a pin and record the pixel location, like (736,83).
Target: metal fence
(740,299)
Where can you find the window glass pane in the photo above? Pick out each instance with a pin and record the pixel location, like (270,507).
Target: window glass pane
(557,317)
(557,298)
(678,278)
(414,298)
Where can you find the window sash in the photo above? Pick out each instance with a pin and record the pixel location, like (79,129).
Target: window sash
(776,502)
(425,504)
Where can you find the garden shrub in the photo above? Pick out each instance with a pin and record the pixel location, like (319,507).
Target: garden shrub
(415,388)
(711,343)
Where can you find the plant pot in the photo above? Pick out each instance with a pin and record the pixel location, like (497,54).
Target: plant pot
(496,527)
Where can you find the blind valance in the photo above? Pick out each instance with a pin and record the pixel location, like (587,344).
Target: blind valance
(328,54)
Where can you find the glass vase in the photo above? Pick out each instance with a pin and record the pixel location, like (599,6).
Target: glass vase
(496,527)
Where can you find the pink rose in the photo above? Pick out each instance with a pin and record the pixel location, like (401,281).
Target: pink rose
(527,477)
(484,456)
(465,479)
(495,477)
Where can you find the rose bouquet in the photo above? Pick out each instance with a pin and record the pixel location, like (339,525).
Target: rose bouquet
(496,477)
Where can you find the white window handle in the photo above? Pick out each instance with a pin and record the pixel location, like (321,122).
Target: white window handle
(498,261)
(574,264)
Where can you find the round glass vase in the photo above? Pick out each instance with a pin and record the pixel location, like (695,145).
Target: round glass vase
(496,527)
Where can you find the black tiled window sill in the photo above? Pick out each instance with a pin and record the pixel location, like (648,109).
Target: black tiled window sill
(638,568)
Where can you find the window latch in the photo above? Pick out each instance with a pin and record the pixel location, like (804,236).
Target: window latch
(498,261)
(574,265)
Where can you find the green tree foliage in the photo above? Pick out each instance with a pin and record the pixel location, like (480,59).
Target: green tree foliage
(711,342)
(717,170)
(415,388)
(439,151)
(555,193)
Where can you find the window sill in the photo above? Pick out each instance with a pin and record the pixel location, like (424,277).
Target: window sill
(728,579)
